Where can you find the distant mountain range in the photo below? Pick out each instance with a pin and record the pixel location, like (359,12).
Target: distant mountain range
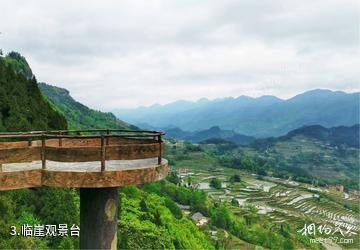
(259,117)
(342,135)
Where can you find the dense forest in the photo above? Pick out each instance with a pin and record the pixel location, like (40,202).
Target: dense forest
(22,106)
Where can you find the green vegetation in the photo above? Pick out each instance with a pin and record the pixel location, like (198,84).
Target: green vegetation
(235,178)
(283,203)
(78,115)
(18,63)
(149,221)
(245,225)
(307,160)
(215,183)
(22,106)
(297,157)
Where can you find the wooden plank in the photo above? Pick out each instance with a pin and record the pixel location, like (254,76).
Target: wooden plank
(103,153)
(76,154)
(132,152)
(19,155)
(106,178)
(39,177)
(43,153)
(83,154)
(17,144)
(20,179)
(85,142)
(79,154)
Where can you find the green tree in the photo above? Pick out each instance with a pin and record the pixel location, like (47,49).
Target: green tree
(235,178)
(215,183)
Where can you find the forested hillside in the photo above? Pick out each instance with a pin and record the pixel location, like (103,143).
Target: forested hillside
(307,154)
(337,136)
(263,188)
(78,115)
(22,106)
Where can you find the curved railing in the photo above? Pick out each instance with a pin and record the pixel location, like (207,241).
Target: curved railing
(80,146)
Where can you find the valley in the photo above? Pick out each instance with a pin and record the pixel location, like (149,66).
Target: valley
(275,199)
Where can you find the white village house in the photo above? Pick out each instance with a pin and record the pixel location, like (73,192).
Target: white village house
(199,218)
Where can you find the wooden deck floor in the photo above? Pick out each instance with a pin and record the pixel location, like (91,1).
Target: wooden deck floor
(82,174)
(93,166)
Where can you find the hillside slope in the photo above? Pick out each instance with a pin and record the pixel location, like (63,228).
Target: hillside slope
(22,106)
(338,136)
(78,115)
(330,155)
(212,133)
(260,117)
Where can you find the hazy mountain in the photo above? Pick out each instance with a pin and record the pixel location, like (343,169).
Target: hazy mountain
(211,133)
(261,117)
(336,136)
(78,115)
(342,135)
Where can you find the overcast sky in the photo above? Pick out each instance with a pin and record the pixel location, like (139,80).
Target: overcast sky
(120,54)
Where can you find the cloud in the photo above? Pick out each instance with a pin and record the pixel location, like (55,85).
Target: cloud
(117,54)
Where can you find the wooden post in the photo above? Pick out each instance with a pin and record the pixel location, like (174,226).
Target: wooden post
(103,153)
(107,138)
(98,218)
(60,139)
(160,149)
(29,142)
(43,151)
(1,167)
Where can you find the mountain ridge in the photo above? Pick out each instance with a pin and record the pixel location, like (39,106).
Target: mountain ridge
(259,117)
(79,115)
(212,133)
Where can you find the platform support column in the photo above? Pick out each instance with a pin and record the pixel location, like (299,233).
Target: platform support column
(98,218)
(160,149)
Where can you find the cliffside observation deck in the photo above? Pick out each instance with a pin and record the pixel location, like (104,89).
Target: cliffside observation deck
(96,161)
(81,158)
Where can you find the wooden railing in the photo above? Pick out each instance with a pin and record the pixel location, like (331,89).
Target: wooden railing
(80,146)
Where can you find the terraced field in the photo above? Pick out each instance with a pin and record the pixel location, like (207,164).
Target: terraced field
(285,201)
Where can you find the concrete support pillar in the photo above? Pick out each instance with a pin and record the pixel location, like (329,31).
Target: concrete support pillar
(98,218)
